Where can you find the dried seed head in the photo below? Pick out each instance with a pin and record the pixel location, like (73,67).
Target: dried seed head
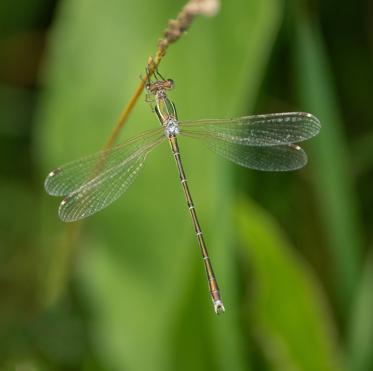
(176,27)
(205,7)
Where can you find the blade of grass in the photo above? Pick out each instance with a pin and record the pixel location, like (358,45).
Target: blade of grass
(334,185)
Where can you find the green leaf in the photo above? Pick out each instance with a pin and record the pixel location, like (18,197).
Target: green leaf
(288,312)
(141,272)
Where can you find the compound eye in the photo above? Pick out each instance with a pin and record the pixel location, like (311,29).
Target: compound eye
(171,83)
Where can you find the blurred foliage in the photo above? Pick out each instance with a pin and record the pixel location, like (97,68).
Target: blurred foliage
(276,327)
(125,290)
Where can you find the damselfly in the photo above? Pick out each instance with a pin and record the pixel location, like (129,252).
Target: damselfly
(262,142)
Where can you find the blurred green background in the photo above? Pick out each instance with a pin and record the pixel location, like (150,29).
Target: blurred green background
(125,290)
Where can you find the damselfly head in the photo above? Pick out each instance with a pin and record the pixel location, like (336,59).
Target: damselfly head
(159,85)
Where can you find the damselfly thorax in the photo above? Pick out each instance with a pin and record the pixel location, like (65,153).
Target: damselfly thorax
(164,107)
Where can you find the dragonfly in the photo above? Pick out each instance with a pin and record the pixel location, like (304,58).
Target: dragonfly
(263,142)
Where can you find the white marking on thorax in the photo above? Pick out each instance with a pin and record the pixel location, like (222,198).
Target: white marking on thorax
(171,127)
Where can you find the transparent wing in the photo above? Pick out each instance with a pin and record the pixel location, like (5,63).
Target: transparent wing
(262,142)
(100,192)
(94,182)
(271,158)
(260,130)
(71,176)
